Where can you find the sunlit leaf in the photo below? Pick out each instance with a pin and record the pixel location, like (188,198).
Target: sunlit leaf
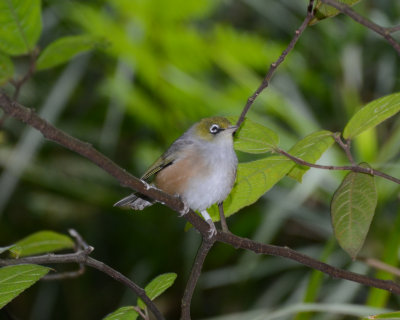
(372,114)
(255,138)
(256,177)
(352,209)
(157,286)
(41,242)
(123,313)
(15,279)
(21,25)
(64,49)
(6,68)
(323,11)
(253,180)
(310,149)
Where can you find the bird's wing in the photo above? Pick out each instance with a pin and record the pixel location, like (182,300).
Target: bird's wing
(173,153)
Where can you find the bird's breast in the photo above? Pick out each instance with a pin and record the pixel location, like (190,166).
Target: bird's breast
(198,179)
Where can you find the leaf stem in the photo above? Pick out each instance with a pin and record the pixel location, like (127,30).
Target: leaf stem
(354,168)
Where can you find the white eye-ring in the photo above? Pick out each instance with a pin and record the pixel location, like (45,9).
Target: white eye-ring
(214,129)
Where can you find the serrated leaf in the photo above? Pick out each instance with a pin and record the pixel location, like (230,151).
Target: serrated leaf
(157,286)
(6,68)
(390,315)
(123,313)
(15,279)
(64,49)
(310,149)
(21,25)
(323,11)
(352,209)
(372,114)
(255,138)
(41,242)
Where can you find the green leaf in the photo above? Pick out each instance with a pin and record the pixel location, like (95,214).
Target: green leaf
(255,138)
(323,11)
(4,249)
(372,114)
(15,279)
(21,25)
(253,180)
(157,286)
(64,49)
(6,68)
(41,242)
(352,209)
(310,149)
(123,313)
(256,177)
(391,315)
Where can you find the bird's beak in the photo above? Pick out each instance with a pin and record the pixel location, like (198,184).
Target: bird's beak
(232,129)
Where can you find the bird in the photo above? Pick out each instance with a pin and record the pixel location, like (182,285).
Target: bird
(199,167)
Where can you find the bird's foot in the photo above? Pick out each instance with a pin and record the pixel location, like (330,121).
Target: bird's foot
(185,208)
(213,230)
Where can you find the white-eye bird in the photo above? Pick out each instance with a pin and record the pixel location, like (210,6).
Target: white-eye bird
(199,167)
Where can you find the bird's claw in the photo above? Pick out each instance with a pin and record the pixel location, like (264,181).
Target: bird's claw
(213,230)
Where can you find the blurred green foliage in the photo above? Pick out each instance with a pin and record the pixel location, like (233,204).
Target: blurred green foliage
(166,65)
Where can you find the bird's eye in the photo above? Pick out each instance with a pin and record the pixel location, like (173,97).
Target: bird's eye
(214,129)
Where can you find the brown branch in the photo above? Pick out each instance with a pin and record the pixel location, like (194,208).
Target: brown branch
(222,218)
(265,82)
(82,257)
(384,32)
(355,168)
(260,248)
(205,247)
(346,146)
(20,82)
(393,29)
(380,265)
(28,116)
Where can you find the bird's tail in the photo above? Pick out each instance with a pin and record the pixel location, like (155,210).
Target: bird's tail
(134,202)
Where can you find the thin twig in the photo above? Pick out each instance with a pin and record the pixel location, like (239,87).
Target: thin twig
(222,218)
(140,312)
(380,265)
(345,146)
(355,168)
(66,275)
(384,32)
(205,247)
(82,257)
(32,66)
(265,82)
(393,29)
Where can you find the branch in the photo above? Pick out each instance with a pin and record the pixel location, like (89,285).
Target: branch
(265,82)
(28,116)
(260,248)
(384,32)
(354,168)
(32,66)
(345,146)
(205,247)
(82,257)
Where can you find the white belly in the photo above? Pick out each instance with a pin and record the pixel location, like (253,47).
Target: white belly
(213,187)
